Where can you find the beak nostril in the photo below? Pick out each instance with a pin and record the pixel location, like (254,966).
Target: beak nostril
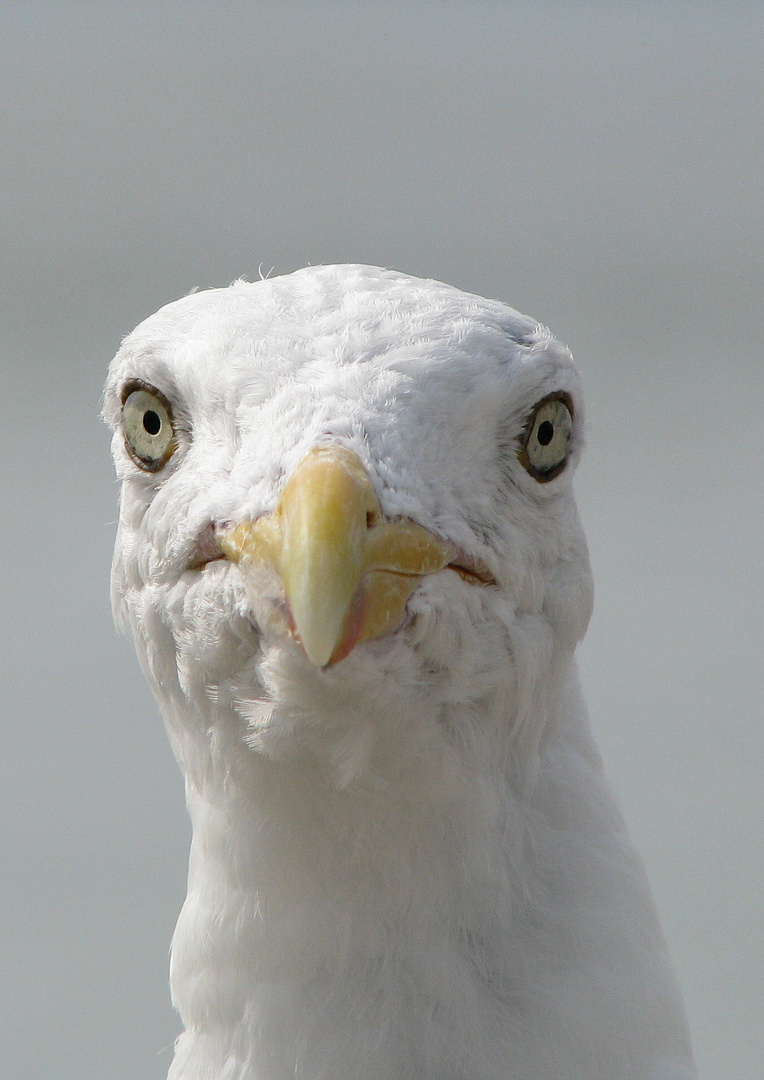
(372,519)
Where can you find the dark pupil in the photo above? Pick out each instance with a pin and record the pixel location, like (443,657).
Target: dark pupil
(545,433)
(151,422)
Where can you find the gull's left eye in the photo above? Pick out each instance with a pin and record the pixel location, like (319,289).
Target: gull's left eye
(547,438)
(147,424)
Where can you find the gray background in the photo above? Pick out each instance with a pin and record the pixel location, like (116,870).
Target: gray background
(601,167)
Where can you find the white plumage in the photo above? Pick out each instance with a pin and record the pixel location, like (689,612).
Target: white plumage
(406,860)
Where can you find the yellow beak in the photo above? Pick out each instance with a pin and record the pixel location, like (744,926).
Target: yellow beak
(347,572)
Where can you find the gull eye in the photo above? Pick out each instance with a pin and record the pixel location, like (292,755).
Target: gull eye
(547,438)
(148,428)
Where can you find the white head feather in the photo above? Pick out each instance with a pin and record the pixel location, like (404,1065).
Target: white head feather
(407,863)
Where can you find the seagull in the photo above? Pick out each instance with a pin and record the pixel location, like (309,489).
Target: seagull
(350,558)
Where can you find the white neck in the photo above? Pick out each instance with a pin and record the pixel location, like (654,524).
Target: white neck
(336,928)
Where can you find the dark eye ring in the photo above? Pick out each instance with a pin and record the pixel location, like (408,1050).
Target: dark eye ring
(546,440)
(148,426)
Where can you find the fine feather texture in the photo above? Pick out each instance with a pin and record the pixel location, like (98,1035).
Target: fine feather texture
(408,864)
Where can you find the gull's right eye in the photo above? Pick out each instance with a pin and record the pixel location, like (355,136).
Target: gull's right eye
(148,427)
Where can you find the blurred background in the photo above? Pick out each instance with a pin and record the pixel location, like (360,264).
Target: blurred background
(599,166)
